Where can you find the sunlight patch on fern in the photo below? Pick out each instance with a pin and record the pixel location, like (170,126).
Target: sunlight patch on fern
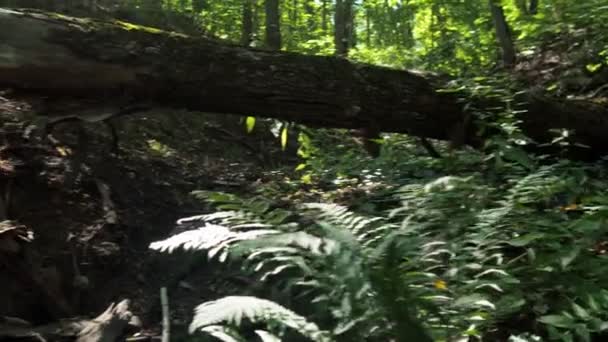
(234,309)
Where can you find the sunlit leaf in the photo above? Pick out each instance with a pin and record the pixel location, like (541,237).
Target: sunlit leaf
(440,284)
(566,258)
(558,321)
(593,67)
(250,123)
(284,137)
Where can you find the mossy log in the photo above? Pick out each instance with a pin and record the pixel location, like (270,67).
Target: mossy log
(117,63)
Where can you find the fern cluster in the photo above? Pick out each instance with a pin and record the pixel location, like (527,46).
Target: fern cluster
(458,257)
(343,263)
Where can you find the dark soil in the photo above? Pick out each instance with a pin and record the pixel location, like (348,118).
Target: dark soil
(163,157)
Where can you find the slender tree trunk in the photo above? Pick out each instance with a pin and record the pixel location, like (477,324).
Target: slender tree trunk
(503,33)
(408,34)
(339,29)
(247,30)
(533,7)
(350,24)
(324,15)
(255,18)
(368,29)
(310,18)
(292,26)
(522,6)
(199,5)
(273,25)
(343,27)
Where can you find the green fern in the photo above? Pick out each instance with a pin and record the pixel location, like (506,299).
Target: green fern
(366,230)
(338,263)
(211,238)
(223,333)
(234,309)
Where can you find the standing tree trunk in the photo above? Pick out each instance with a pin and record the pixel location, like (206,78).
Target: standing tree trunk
(343,21)
(368,28)
(324,15)
(292,26)
(247,30)
(408,31)
(198,5)
(522,6)
(309,8)
(273,25)
(503,33)
(533,7)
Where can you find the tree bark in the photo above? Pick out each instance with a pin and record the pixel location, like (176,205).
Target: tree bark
(247,30)
(199,5)
(324,15)
(343,23)
(533,6)
(503,33)
(273,25)
(106,64)
(109,326)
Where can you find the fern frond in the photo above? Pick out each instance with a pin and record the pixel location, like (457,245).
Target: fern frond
(223,333)
(208,237)
(302,240)
(265,336)
(225,217)
(367,231)
(233,309)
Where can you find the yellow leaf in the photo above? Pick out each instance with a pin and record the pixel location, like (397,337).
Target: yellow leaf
(306,179)
(63,151)
(570,207)
(284,137)
(440,284)
(593,67)
(250,123)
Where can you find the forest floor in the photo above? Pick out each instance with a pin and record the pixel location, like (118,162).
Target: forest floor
(94,213)
(82,231)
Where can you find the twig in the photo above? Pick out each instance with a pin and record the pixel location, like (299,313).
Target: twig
(164,302)
(428,146)
(110,214)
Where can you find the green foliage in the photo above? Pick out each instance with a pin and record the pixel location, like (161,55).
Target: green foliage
(467,253)
(233,309)
(436,249)
(338,263)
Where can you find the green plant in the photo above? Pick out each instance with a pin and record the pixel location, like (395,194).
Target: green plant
(343,263)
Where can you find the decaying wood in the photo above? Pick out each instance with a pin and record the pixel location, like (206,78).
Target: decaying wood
(114,63)
(164,302)
(109,326)
(109,209)
(13,236)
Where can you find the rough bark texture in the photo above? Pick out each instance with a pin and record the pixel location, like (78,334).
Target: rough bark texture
(109,326)
(343,33)
(533,6)
(117,64)
(273,25)
(503,33)
(247,30)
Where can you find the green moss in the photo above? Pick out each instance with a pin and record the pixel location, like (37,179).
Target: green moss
(129,27)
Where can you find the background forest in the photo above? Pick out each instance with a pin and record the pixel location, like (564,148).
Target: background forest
(339,235)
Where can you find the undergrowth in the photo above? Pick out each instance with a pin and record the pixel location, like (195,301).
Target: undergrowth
(485,253)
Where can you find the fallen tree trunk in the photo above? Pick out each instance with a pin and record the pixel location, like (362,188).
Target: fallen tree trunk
(118,63)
